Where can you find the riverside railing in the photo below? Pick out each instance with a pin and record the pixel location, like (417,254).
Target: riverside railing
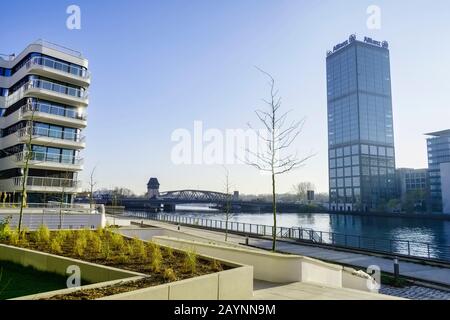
(408,248)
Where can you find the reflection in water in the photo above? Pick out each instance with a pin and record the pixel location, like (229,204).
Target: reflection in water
(412,229)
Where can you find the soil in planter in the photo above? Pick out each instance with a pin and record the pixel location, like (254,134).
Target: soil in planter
(111,249)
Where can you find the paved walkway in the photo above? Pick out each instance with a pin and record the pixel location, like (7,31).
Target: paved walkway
(359,260)
(308,291)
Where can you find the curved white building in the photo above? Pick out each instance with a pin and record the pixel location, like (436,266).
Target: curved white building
(43,97)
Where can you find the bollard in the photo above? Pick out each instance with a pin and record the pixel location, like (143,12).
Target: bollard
(246,241)
(178,227)
(142,223)
(396,270)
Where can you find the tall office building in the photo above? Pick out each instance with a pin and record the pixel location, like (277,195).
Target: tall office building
(360,126)
(438,145)
(43,101)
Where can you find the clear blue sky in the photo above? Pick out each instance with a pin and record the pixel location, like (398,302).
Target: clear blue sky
(161,65)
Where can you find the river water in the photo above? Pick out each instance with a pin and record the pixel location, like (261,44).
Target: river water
(397,228)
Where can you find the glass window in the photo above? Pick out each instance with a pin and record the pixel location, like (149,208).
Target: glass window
(333,173)
(357,191)
(373,150)
(69,134)
(332,164)
(348,171)
(348,182)
(382,151)
(347,161)
(347,151)
(55,132)
(364,149)
(53,154)
(332,183)
(340,172)
(355,171)
(340,183)
(355,160)
(390,152)
(339,162)
(67,156)
(355,149)
(356,182)
(332,153)
(339,152)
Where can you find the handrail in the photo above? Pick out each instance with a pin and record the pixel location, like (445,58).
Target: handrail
(47,108)
(50,157)
(413,249)
(59,88)
(51,133)
(58,65)
(47,182)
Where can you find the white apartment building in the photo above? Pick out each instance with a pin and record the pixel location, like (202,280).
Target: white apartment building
(43,101)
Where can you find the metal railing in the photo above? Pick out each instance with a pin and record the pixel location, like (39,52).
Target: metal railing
(47,182)
(58,65)
(55,87)
(51,133)
(413,249)
(50,157)
(51,109)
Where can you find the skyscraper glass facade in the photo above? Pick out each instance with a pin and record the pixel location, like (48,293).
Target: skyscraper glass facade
(438,146)
(360,126)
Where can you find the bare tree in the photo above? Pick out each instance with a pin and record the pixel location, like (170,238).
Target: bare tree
(277,140)
(92,184)
(301,189)
(228,195)
(27,155)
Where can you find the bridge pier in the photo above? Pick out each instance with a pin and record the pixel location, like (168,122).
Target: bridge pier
(168,207)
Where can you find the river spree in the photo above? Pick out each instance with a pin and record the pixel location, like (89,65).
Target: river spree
(414,229)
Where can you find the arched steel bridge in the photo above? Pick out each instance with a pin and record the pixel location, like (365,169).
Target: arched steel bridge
(194,196)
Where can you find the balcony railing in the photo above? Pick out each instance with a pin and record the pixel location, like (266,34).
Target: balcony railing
(51,133)
(54,110)
(50,157)
(61,66)
(47,182)
(55,87)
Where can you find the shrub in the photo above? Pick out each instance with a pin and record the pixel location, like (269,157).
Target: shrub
(117,241)
(156,258)
(123,259)
(79,246)
(55,245)
(139,250)
(190,261)
(106,251)
(42,234)
(14,237)
(5,232)
(170,275)
(96,243)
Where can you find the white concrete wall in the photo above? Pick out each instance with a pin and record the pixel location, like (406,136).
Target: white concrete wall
(69,221)
(274,267)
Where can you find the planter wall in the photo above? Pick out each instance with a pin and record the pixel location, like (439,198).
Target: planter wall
(274,267)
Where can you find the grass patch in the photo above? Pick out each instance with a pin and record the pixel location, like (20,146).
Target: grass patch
(17,281)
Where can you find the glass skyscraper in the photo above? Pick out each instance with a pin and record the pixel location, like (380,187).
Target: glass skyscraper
(360,126)
(438,147)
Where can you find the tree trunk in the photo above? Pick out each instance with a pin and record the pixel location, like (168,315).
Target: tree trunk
(274,206)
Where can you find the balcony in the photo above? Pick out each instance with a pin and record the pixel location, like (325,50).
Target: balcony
(47,184)
(53,68)
(50,91)
(51,137)
(55,115)
(50,161)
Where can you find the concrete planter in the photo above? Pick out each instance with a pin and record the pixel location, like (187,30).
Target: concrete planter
(236,283)
(275,267)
